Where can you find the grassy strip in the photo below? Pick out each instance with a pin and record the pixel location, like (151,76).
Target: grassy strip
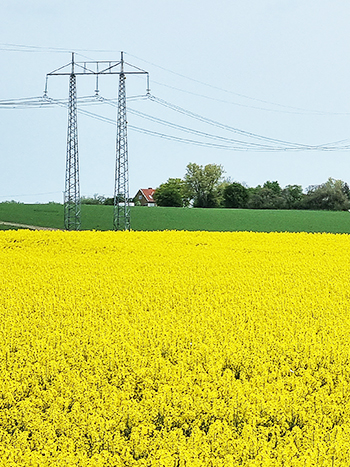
(143,218)
(43,215)
(240,219)
(9,227)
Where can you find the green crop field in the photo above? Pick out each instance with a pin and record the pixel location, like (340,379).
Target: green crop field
(157,218)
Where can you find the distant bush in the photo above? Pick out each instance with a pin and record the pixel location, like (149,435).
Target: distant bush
(11,202)
(108,202)
(96,199)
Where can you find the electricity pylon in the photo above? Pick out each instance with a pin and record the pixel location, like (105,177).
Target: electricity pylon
(72,188)
(121,212)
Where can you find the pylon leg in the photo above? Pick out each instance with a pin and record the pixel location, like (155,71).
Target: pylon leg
(121,213)
(72,189)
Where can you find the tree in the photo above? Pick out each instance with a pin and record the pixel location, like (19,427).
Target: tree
(331,195)
(96,199)
(202,183)
(170,193)
(109,202)
(346,190)
(235,195)
(268,196)
(293,196)
(274,187)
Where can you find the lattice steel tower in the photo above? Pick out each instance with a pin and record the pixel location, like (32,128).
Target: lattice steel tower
(121,213)
(72,188)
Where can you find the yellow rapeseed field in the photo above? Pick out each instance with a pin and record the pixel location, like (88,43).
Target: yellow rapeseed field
(174,349)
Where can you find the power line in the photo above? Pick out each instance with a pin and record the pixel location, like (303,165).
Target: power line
(34,48)
(191,114)
(238,94)
(31,194)
(40,101)
(189,130)
(169,137)
(211,145)
(237,130)
(9,47)
(175,138)
(249,134)
(304,112)
(272,145)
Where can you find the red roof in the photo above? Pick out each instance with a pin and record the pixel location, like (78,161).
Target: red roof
(148,194)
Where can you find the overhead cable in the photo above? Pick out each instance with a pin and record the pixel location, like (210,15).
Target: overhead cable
(231,147)
(209,121)
(300,109)
(188,130)
(265,109)
(268,144)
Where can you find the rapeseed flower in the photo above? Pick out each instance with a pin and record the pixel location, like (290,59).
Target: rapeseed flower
(174,349)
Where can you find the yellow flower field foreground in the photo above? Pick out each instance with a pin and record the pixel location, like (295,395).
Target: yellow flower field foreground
(174,349)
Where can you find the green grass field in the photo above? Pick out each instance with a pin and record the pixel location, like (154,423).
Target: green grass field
(144,218)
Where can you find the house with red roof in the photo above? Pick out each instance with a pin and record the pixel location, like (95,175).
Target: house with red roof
(145,197)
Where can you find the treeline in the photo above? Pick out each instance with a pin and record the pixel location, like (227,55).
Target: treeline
(204,186)
(97,199)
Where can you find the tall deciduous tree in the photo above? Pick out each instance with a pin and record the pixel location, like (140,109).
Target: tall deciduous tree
(268,196)
(235,195)
(331,195)
(170,193)
(202,184)
(293,195)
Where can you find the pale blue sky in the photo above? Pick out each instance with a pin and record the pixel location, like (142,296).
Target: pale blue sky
(291,53)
